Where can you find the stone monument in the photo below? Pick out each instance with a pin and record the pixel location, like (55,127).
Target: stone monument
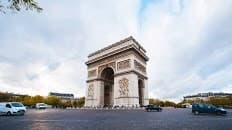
(117,76)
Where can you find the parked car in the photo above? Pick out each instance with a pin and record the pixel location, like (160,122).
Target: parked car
(186,105)
(12,108)
(207,108)
(41,105)
(153,107)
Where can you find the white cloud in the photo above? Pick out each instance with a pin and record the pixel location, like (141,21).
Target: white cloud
(184,44)
(188,43)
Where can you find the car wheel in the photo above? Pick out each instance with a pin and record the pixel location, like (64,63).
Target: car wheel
(22,113)
(219,113)
(196,112)
(8,113)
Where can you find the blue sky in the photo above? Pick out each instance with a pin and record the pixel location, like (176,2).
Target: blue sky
(188,42)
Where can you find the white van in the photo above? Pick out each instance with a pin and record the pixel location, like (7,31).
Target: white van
(12,108)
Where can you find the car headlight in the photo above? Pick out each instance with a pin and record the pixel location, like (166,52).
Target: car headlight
(15,109)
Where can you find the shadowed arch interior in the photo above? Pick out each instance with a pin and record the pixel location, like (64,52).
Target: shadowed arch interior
(141,92)
(107,76)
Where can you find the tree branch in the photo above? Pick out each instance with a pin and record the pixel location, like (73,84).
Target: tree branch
(18,5)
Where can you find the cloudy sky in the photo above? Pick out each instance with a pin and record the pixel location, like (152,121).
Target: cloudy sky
(189,44)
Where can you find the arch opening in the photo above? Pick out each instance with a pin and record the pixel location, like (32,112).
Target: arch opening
(141,92)
(107,77)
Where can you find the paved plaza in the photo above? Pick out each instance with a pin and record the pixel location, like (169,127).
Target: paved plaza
(168,119)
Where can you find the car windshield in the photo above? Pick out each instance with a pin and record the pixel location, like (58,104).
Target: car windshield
(152,106)
(42,104)
(213,106)
(15,104)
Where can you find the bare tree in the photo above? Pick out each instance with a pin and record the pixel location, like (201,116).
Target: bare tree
(18,5)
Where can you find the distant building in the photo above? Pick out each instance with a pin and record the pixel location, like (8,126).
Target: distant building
(62,96)
(18,95)
(205,96)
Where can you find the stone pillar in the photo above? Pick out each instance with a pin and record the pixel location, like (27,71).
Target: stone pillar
(126,90)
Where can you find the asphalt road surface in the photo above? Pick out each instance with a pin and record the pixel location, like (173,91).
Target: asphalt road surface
(168,119)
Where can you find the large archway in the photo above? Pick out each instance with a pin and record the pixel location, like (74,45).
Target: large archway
(107,76)
(117,75)
(141,92)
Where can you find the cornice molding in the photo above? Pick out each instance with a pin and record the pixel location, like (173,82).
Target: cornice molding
(130,47)
(117,44)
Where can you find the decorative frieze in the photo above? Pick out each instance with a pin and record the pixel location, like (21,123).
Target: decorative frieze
(123,87)
(139,66)
(110,59)
(111,64)
(91,91)
(123,64)
(92,73)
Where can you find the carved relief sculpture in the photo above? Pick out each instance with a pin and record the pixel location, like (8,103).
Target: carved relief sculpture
(90,91)
(123,87)
(139,66)
(123,64)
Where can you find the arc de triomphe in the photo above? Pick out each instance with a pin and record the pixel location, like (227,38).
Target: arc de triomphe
(117,75)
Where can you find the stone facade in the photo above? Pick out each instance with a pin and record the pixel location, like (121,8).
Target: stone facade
(117,75)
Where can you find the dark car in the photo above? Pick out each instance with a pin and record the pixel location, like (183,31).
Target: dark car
(153,107)
(206,108)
